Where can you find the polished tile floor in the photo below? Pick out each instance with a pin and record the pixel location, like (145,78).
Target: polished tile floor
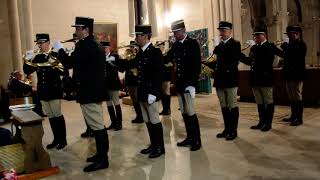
(283,153)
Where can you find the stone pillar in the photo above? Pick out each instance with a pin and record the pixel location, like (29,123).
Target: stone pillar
(216,16)
(222,10)
(28,25)
(228,10)
(15,34)
(236,19)
(131,17)
(153,17)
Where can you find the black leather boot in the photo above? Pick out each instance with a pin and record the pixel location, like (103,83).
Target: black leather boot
(226,119)
(267,125)
(166,105)
(261,112)
(298,120)
(151,136)
(188,139)
(102,146)
(118,123)
(233,133)
(54,125)
(88,133)
(62,133)
(113,119)
(157,133)
(292,116)
(138,118)
(196,135)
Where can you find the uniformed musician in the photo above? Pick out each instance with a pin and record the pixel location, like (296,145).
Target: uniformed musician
(186,54)
(88,61)
(130,81)
(228,53)
(113,86)
(294,72)
(49,90)
(166,81)
(261,59)
(148,62)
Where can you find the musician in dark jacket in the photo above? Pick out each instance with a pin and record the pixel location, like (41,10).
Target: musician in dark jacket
(113,86)
(261,59)
(228,54)
(49,90)
(186,54)
(294,72)
(88,61)
(131,82)
(148,62)
(166,80)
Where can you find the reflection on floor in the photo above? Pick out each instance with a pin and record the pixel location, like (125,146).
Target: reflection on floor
(283,153)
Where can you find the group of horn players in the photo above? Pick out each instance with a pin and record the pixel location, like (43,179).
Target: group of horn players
(148,77)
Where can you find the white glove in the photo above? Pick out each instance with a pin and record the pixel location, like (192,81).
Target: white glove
(110,59)
(29,55)
(57,45)
(250,42)
(286,40)
(151,98)
(191,90)
(216,41)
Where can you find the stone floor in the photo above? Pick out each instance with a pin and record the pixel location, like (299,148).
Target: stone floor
(283,153)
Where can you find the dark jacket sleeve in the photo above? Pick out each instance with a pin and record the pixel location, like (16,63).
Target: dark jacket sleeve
(156,69)
(196,59)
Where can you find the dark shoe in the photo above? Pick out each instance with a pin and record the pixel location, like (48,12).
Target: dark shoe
(96,166)
(165,112)
(231,136)
(147,150)
(156,152)
(52,145)
(88,133)
(187,141)
(296,122)
(137,121)
(287,119)
(266,127)
(223,134)
(93,158)
(258,126)
(61,145)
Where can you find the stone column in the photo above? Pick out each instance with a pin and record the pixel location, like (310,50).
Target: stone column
(216,16)
(15,34)
(131,17)
(153,17)
(236,17)
(28,25)
(222,10)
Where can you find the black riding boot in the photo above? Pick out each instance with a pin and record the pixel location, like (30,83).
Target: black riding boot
(267,125)
(62,132)
(226,119)
(261,112)
(118,124)
(298,120)
(101,158)
(187,141)
(151,136)
(54,127)
(233,133)
(138,118)
(113,119)
(157,133)
(88,133)
(196,136)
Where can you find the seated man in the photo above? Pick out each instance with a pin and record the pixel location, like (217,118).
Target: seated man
(18,87)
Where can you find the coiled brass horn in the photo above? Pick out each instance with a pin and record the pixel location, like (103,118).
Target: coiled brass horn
(53,61)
